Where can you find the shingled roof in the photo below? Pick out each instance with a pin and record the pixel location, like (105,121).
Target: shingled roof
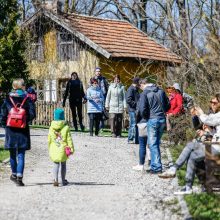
(115,38)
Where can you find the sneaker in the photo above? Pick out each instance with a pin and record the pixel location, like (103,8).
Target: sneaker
(130,142)
(170,173)
(114,135)
(138,167)
(55,183)
(153,171)
(186,190)
(19,181)
(13,178)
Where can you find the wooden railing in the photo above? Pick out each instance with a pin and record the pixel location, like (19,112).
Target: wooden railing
(44,114)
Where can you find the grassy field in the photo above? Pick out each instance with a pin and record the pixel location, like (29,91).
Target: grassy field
(202,206)
(3,153)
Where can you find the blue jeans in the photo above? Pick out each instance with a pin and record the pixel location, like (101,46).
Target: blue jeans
(142,149)
(155,131)
(17,157)
(133,130)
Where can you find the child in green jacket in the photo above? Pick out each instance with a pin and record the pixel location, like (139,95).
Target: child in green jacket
(59,139)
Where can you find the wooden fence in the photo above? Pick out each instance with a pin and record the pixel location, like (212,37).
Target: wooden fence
(44,114)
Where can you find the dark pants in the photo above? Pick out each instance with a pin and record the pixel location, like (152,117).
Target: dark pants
(116,123)
(142,149)
(94,119)
(76,107)
(17,157)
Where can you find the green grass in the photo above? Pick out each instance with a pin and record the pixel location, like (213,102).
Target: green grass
(4,154)
(202,206)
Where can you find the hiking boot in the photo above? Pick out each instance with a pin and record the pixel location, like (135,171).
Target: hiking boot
(170,173)
(13,178)
(186,190)
(55,183)
(138,167)
(19,181)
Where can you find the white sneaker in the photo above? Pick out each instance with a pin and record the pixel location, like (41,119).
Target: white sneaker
(170,173)
(184,191)
(138,167)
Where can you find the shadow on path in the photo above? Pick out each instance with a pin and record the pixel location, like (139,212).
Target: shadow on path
(75,183)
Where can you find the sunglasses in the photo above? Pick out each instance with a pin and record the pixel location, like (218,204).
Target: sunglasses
(214,103)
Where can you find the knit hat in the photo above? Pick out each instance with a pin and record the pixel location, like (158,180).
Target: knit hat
(98,68)
(59,114)
(136,80)
(177,86)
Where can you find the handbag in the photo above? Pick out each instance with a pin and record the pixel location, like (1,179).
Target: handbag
(105,115)
(68,151)
(142,129)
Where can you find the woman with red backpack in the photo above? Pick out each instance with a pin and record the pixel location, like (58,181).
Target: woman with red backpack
(17,111)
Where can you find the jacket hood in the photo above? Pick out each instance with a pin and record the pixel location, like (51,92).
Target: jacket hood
(114,85)
(58,125)
(94,88)
(152,88)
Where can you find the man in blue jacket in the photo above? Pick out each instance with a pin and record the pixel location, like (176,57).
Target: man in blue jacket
(153,107)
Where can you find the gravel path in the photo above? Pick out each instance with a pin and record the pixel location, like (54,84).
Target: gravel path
(102,185)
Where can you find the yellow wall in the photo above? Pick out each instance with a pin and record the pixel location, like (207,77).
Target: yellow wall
(129,69)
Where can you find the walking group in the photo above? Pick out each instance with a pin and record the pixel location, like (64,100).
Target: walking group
(150,112)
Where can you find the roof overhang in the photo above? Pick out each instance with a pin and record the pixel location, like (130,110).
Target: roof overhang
(69,28)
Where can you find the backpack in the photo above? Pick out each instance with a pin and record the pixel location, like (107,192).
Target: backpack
(17,117)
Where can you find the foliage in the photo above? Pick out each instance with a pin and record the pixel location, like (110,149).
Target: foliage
(12,62)
(201,206)
(4,154)
(204,206)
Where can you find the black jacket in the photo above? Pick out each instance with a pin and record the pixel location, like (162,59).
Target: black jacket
(18,137)
(153,103)
(75,91)
(132,97)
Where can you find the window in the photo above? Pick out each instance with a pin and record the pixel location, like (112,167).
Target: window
(37,52)
(67,47)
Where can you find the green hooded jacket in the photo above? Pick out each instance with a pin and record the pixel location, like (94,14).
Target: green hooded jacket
(58,138)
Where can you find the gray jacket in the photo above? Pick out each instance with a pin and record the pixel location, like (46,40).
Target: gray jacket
(115,100)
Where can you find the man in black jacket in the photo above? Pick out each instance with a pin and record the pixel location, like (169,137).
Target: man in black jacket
(153,107)
(132,97)
(74,89)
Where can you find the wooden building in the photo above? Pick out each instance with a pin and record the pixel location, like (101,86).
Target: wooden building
(59,44)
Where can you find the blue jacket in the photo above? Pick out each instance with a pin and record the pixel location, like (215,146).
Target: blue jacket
(153,103)
(95,100)
(17,137)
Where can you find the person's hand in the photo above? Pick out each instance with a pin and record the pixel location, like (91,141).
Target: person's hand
(107,109)
(200,132)
(84,101)
(198,111)
(97,100)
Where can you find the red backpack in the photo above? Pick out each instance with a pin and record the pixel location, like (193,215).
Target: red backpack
(17,115)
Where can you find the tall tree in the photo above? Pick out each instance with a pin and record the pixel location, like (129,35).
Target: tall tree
(12,62)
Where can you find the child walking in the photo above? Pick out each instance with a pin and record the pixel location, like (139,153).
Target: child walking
(60,145)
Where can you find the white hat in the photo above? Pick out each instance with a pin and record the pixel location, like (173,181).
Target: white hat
(177,86)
